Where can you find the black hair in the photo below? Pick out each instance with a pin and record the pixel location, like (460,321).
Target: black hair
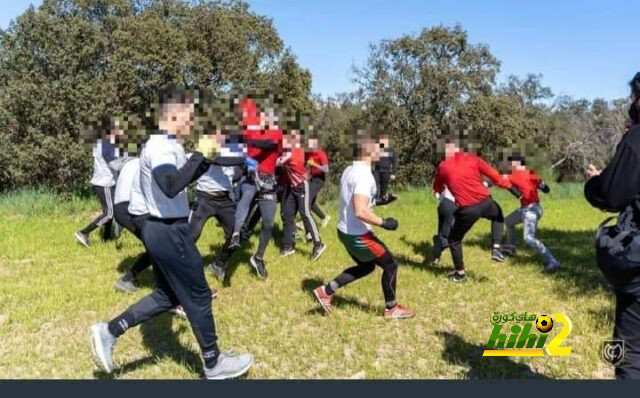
(176,95)
(635,85)
(516,158)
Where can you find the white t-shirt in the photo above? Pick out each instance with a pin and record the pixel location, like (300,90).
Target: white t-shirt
(125,181)
(137,204)
(161,149)
(357,179)
(103,176)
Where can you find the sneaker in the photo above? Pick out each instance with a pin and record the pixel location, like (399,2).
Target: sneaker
(235,241)
(127,284)
(398,312)
(300,225)
(457,278)
(178,310)
(508,250)
(117,230)
(82,238)
(496,255)
(318,249)
(435,262)
(325,221)
(323,298)
(552,266)
(259,266)
(219,270)
(287,252)
(229,366)
(308,237)
(102,342)
(244,236)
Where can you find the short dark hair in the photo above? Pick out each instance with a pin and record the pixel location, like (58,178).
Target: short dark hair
(635,85)
(176,95)
(516,158)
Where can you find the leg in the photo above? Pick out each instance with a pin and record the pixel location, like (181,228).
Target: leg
(104,195)
(107,228)
(511,221)
(627,328)
(254,211)
(384,185)
(531,217)
(225,214)
(315,187)
(248,189)
(491,210)
(301,197)
(201,211)
(268,211)
(446,210)
(464,220)
(376,176)
(122,216)
(288,214)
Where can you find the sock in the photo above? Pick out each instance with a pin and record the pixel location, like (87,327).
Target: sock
(331,287)
(210,357)
(390,304)
(119,325)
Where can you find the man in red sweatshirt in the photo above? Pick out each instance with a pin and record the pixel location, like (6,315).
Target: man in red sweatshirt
(461,172)
(296,197)
(318,163)
(529,213)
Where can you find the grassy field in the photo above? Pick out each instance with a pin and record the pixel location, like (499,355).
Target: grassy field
(52,289)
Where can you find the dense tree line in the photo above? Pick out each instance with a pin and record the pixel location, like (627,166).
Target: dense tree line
(68,63)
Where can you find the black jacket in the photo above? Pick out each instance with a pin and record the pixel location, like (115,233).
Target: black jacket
(387,164)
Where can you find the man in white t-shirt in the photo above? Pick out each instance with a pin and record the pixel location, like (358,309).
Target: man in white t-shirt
(357,198)
(165,174)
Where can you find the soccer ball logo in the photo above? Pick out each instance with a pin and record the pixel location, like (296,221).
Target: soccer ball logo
(544,323)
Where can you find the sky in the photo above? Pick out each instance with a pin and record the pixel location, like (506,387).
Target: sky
(583,48)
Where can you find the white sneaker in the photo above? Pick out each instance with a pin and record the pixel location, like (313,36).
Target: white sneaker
(102,342)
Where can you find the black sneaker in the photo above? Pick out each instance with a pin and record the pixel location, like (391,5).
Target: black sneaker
(127,284)
(235,241)
(318,249)
(497,256)
(457,278)
(82,238)
(259,266)
(218,270)
(287,251)
(508,250)
(244,236)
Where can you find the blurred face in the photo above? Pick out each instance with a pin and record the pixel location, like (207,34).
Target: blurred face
(370,149)
(450,149)
(179,118)
(517,165)
(313,143)
(384,141)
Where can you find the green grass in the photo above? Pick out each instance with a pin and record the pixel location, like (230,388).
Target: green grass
(52,289)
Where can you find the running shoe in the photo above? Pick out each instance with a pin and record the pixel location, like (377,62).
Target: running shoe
(323,298)
(219,270)
(287,251)
(508,250)
(127,283)
(102,343)
(259,266)
(398,312)
(497,256)
(229,366)
(318,249)
(82,238)
(457,278)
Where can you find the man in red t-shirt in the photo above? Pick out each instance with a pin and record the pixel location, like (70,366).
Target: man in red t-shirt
(529,213)
(318,163)
(461,172)
(296,197)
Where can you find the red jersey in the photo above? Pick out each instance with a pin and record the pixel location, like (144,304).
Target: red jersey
(462,174)
(294,167)
(320,158)
(266,158)
(526,181)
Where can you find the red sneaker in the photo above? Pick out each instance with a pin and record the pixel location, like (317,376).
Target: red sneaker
(179,311)
(398,312)
(323,298)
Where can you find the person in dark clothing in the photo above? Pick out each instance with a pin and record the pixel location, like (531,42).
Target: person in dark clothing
(616,189)
(383,172)
(446,216)
(318,163)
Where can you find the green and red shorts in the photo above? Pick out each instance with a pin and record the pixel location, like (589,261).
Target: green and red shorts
(363,248)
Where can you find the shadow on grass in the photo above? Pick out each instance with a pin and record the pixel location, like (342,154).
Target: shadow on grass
(574,249)
(459,352)
(146,279)
(162,342)
(309,284)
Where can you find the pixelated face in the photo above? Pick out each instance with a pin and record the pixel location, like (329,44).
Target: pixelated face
(181,117)
(450,149)
(370,148)
(313,143)
(384,142)
(517,165)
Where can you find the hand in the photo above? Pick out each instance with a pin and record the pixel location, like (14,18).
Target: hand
(592,171)
(311,163)
(207,145)
(390,224)
(514,191)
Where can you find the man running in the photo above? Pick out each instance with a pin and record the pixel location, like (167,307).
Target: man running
(318,163)
(529,213)
(296,197)
(357,196)
(164,175)
(106,163)
(462,173)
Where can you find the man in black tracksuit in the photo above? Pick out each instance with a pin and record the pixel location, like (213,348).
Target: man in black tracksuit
(617,189)
(383,172)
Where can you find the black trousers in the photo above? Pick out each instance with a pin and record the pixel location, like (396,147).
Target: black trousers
(297,200)
(223,208)
(465,218)
(446,210)
(180,280)
(134,225)
(315,186)
(626,284)
(104,220)
(382,178)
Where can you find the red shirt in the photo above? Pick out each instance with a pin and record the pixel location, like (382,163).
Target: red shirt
(527,183)
(294,167)
(266,158)
(320,157)
(462,174)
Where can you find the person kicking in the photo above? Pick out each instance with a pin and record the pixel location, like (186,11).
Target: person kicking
(164,175)
(529,213)
(296,197)
(357,197)
(106,163)
(461,172)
